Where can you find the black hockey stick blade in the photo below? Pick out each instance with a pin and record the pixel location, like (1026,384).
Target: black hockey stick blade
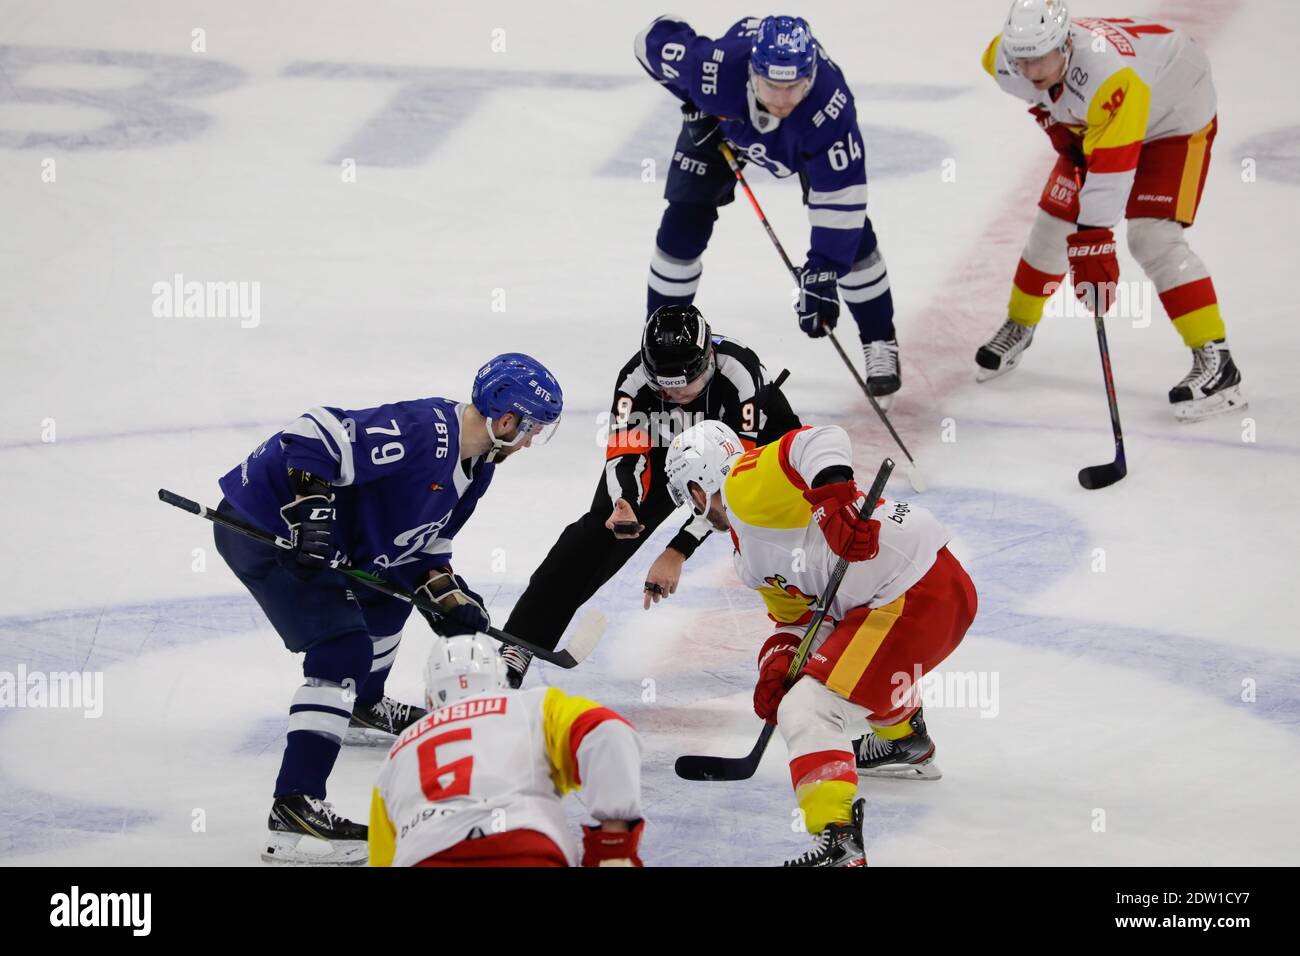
(694,767)
(590,629)
(1102,476)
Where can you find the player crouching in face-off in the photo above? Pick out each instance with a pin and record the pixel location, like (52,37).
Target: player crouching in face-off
(1130,107)
(904,604)
(478,781)
(682,374)
(382,490)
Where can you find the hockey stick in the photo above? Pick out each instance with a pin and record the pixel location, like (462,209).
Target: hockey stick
(587,634)
(914,477)
(1101,476)
(695,767)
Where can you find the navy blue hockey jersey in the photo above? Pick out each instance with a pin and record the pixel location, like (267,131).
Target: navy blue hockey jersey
(820,139)
(401,491)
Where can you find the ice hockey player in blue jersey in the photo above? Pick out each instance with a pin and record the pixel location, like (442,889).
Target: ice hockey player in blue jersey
(382,490)
(768,89)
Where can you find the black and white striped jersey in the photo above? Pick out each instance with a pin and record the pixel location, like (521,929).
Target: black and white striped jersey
(643,424)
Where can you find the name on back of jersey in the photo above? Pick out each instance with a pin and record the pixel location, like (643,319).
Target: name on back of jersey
(464,710)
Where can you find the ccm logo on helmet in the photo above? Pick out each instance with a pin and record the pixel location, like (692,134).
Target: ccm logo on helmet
(1096,249)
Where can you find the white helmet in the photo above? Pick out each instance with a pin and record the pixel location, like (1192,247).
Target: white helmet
(1035,28)
(461,667)
(703,454)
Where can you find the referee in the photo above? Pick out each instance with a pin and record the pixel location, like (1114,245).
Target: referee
(683,374)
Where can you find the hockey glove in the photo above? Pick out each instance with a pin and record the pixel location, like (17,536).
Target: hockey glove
(311,526)
(611,847)
(836,511)
(699,125)
(1094,269)
(1064,140)
(774,662)
(462,609)
(818,305)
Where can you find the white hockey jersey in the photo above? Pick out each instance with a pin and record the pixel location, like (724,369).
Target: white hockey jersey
(782,553)
(1128,81)
(498,762)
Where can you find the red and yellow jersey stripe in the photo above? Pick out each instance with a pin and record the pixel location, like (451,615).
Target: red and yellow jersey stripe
(765,491)
(1112,142)
(566,721)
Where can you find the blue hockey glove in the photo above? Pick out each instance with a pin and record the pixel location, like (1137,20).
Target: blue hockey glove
(818,305)
(462,609)
(700,126)
(311,527)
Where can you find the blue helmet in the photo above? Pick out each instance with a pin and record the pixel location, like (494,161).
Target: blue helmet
(784,49)
(515,382)
(518,383)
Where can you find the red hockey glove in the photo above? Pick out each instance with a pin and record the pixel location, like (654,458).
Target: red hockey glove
(1093,268)
(774,662)
(835,509)
(611,847)
(1064,140)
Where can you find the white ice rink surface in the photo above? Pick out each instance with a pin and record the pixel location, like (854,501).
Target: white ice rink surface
(1147,713)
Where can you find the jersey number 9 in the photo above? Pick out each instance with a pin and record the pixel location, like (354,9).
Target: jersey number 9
(389,452)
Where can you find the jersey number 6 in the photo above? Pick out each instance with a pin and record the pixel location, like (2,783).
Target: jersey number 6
(431,775)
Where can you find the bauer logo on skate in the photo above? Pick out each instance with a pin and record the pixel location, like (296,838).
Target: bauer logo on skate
(77,690)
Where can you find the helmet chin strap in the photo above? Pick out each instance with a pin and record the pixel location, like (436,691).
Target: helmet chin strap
(494,453)
(497,452)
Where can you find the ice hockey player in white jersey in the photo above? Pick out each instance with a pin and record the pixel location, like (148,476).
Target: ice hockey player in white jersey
(904,604)
(479,780)
(1130,107)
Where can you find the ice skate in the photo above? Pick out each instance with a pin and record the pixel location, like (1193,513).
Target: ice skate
(907,758)
(517,660)
(1001,353)
(1212,387)
(307,832)
(883,375)
(375,725)
(839,844)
